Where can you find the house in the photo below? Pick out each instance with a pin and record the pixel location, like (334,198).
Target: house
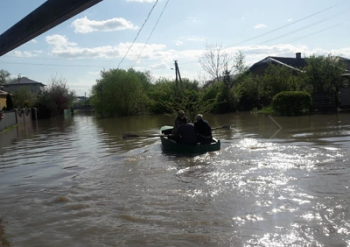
(297,64)
(23,82)
(3,96)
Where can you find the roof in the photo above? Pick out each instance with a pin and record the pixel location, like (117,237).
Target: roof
(292,63)
(23,81)
(296,63)
(3,93)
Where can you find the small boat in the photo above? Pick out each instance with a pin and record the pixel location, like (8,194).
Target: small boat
(171,146)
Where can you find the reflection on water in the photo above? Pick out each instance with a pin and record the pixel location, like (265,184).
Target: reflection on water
(76,182)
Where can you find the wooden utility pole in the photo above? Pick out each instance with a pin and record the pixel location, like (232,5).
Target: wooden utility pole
(178,76)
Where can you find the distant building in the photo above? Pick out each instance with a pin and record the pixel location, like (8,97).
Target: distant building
(23,82)
(342,97)
(296,63)
(3,96)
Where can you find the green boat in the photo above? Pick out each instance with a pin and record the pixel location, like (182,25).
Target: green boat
(171,146)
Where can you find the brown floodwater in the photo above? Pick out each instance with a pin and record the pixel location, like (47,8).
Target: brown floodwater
(277,181)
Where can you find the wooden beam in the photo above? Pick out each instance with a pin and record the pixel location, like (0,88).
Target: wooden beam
(48,15)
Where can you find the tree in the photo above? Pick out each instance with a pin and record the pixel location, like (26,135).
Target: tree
(55,98)
(323,73)
(4,76)
(119,93)
(249,92)
(216,62)
(278,78)
(23,97)
(191,101)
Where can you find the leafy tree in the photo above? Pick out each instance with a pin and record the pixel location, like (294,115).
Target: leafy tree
(168,98)
(4,76)
(322,73)
(249,93)
(23,97)
(192,102)
(279,78)
(55,98)
(119,93)
(162,91)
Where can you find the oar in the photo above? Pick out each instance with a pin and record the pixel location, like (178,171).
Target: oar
(227,126)
(129,135)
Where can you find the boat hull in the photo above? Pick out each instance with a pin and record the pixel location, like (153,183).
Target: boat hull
(171,146)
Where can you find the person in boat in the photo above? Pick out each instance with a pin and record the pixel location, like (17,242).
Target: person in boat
(179,120)
(186,133)
(203,129)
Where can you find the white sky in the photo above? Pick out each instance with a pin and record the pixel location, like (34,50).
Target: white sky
(101,36)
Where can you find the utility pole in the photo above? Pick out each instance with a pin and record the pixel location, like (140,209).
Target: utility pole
(178,76)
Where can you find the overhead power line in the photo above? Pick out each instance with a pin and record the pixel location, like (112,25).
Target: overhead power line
(302,28)
(151,33)
(289,24)
(319,31)
(279,28)
(137,35)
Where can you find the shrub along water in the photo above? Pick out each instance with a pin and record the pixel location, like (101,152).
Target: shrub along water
(292,103)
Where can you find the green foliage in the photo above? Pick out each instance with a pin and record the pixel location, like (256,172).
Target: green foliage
(248,92)
(119,93)
(292,103)
(191,102)
(162,91)
(323,73)
(226,99)
(4,76)
(55,98)
(279,78)
(266,110)
(23,97)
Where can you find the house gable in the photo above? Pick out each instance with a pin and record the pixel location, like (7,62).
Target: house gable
(15,84)
(296,63)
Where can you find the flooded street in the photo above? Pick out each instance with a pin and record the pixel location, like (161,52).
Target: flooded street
(277,181)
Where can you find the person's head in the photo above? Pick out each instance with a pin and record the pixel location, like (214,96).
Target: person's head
(199,117)
(184,120)
(181,113)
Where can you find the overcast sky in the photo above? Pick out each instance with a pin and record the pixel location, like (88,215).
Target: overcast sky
(149,35)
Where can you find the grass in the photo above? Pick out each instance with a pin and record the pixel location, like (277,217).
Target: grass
(8,129)
(265,110)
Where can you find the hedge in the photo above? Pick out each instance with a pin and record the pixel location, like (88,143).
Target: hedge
(290,103)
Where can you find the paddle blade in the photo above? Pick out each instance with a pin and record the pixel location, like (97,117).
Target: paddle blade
(227,126)
(129,135)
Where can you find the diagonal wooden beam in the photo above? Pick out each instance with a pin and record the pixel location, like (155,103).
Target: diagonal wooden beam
(48,15)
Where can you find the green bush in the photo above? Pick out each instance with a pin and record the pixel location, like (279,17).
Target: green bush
(292,103)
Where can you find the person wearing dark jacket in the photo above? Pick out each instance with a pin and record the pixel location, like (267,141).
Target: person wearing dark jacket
(203,130)
(186,133)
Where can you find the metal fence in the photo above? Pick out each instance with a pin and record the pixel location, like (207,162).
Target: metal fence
(18,116)
(9,120)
